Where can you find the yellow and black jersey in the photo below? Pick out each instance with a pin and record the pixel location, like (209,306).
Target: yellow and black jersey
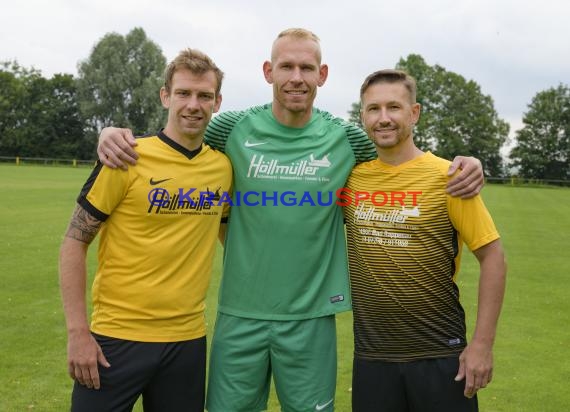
(405,236)
(161,221)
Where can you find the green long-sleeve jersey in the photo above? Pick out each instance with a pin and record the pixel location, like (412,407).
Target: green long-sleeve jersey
(285,251)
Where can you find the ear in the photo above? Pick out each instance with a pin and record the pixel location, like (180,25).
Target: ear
(267,72)
(217,103)
(323,74)
(416,109)
(164,98)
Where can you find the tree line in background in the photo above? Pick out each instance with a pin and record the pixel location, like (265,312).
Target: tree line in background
(61,117)
(457,118)
(118,85)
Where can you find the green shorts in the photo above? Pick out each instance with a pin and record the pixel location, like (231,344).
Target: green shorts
(245,353)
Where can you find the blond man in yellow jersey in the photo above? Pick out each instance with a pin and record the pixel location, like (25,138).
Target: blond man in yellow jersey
(159,222)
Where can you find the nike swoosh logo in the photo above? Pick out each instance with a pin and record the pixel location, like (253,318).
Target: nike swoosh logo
(155,182)
(323,406)
(249,144)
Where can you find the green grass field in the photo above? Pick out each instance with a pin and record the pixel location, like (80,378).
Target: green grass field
(532,361)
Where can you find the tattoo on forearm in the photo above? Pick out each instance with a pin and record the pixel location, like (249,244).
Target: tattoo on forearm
(83,226)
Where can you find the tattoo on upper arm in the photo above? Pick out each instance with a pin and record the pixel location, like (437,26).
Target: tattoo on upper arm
(83,226)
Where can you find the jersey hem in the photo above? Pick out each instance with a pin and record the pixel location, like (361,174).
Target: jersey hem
(148,338)
(407,357)
(276,316)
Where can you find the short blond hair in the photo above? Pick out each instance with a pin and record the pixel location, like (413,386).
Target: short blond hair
(299,34)
(195,61)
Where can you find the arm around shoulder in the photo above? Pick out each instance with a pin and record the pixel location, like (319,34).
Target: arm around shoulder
(469,181)
(115,147)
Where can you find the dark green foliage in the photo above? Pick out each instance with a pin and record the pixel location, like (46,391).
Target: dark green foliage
(354,114)
(456,117)
(40,117)
(61,117)
(119,83)
(543,144)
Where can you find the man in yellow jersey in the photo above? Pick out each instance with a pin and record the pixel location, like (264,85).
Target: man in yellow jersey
(159,223)
(405,236)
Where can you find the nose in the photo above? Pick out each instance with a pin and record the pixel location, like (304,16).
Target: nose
(296,75)
(383,117)
(192,102)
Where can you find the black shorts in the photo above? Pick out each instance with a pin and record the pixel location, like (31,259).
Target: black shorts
(417,386)
(169,376)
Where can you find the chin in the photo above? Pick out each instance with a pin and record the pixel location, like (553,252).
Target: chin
(297,107)
(384,144)
(191,133)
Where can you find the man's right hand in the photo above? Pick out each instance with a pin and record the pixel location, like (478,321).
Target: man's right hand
(115,147)
(83,354)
